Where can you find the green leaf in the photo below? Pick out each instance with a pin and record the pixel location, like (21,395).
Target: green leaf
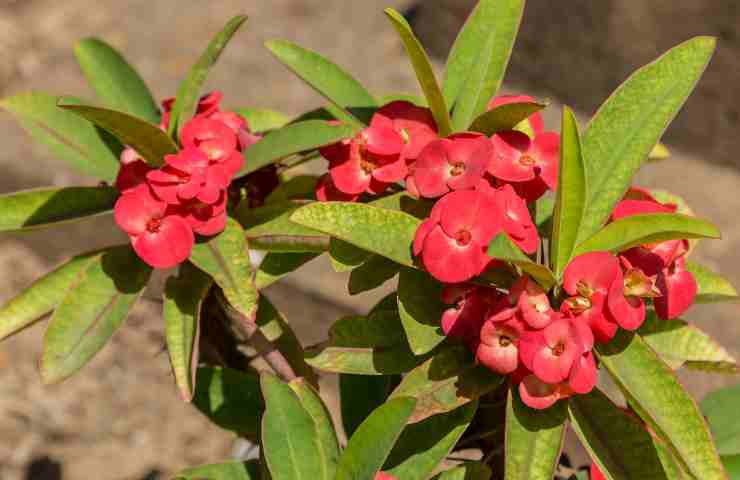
(712,287)
(360,395)
(424,445)
(225,257)
(534,439)
(292,139)
(385,232)
(42,296)
(328,445)
(144,137)
(276,265)
(277,330)
(634,230)
(570,196)
(345,256)
(116,82)
(93,309)
(369,447)
(83,146)
(269,228)
(618,442)
(372,274)
(188,92)
(505,117)
(628,125)
(424,72)
(658,397)
(479,56)
(720,409)
(445,382)
(732,466)
(222,471)
(328,79)
(231,399)
(421,308)
(261,119)
(290,437)
(679,343)
(49,206)
(502,248)
(545,208)
(372,345)
(491,21)
(300,187)
(468,471)
(183,298)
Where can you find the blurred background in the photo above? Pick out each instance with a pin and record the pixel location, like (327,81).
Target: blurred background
(121,418)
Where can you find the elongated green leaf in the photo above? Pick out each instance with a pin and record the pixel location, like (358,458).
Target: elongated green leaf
(712,287)
(368,448)
(503,248)
(445,382)
(328,79)
(183,298)
(636,230)
(619,443)
(720,409)
(261,119)
(300,187)
(277,330)
(93,309)
(732,466)
(83,146)
(629,124)
(328,450)
(116,82)
(570,196)
(478,59)
(345,256)
(385,232)
(225,257)
(42,296)
(652,388)
(534,439)
(222,471)
(494,19)
(421,308)
(505,117)
(372,345)
(144,137)
(360,395)
(372,274)
(290,438)
(292,139)
(422,446)
(47,207)
(189,90)
(424,72)
(468,471)
(269,227)
(545,207)
(276,265)
(679,343)
(231,399)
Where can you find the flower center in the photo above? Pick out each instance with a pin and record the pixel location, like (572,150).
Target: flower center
(578,304)
(463,237)
(584,289)
(367,166)
(405,135)
(153,225)
(504,341)
(457,169)
(558,349)
(527,160)
(184,178)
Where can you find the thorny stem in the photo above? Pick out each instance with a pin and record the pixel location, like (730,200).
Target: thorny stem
(248,331)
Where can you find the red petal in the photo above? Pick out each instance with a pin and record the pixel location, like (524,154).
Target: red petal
(132,174)
(432,170)
(421,235)
(509,148)
(546,150)
(537,394)
(348,176)
(584,374)
(628,312)
(233,163)
(535,120)
(474,153)
(449,262)
(597,270)
(382,141)
(391,171)
(326,191)
(501,359)
(212,226)
(678,289)
(133,211)
(169,246)
(627,208)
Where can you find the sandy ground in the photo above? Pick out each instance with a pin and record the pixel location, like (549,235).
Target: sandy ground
(120,418)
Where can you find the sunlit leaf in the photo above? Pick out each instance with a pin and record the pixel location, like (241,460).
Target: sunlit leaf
(502,248)
(421,307)
(505,117)
(261,119)
(712,287)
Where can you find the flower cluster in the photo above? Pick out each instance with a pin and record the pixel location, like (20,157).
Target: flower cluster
(162,209)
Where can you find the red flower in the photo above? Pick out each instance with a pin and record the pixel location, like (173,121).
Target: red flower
(368,162)
(133,172)
(498,348)
(454,163)
(240,127)
(531,164)
(415,125)
(207,105)
(534,122)
(678,289)
(384,476)
(212,137)
(512,216)
(326,191)
(205,219)
(464,319)
(533,303)
(186,176)
(161,238)
(540,395)
(452,241)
